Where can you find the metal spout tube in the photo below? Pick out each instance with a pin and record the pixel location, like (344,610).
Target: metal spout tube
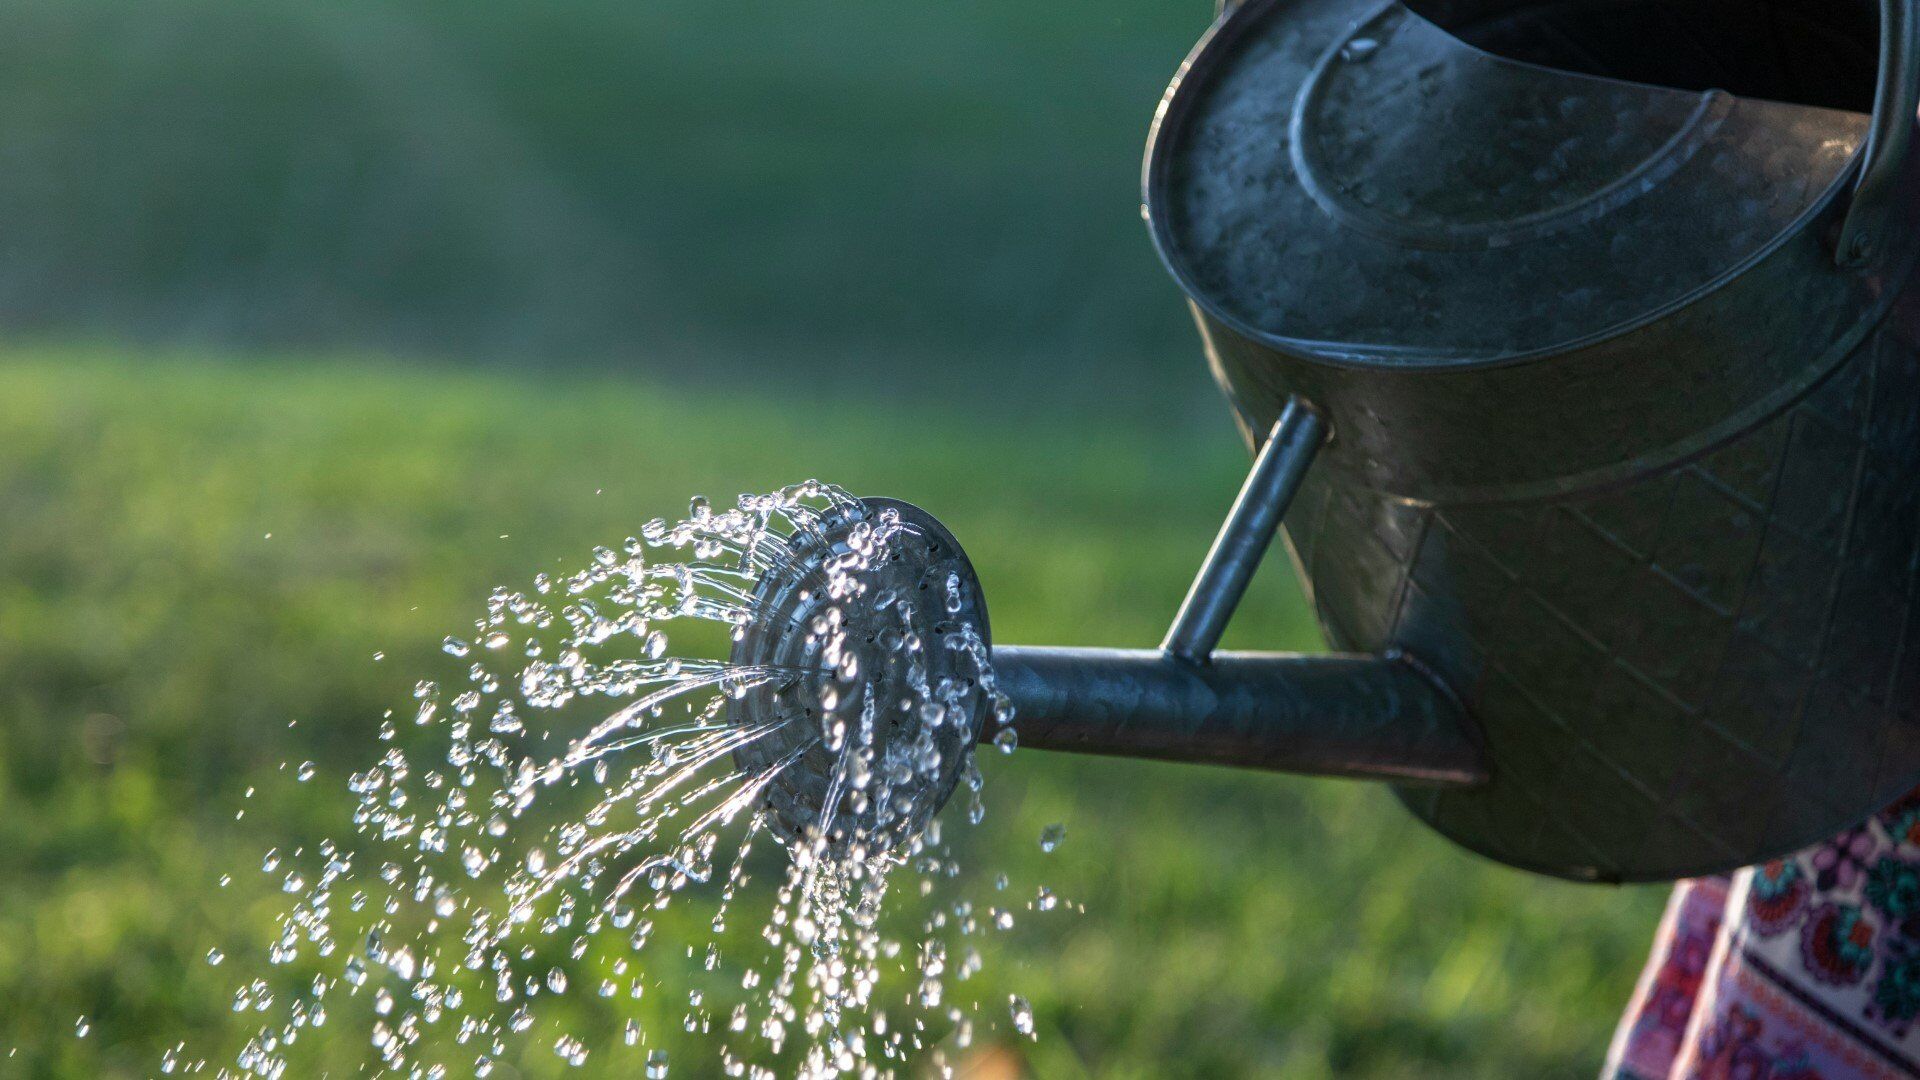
(1360,716)
(1248,531)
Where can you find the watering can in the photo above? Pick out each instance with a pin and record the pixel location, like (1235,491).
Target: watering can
(1577,349)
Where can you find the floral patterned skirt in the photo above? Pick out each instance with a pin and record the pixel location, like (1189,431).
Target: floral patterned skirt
(1804,968)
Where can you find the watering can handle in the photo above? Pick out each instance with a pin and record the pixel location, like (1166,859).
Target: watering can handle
(1896,100)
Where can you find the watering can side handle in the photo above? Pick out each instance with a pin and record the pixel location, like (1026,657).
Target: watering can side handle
(1247,532)
(1883,160)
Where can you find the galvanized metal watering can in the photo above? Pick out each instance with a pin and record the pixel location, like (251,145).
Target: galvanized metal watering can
(1592,407)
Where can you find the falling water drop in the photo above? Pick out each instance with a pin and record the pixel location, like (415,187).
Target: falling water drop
(1022,1015)
(1051,836)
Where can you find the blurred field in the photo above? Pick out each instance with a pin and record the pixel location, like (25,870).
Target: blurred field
(869,186)
(156,644)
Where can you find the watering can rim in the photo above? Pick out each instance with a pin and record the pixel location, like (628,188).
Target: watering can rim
(1869,165)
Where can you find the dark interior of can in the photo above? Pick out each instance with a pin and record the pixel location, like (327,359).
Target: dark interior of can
(1804,52)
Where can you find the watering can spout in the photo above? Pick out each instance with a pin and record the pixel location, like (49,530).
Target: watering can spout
(1383,717)
(1351,715)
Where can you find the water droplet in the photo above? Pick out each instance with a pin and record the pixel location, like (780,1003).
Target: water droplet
(572,1050)
(1022,1015)
(1051,836)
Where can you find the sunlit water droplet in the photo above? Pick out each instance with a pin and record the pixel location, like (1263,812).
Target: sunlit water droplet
(1022,1015)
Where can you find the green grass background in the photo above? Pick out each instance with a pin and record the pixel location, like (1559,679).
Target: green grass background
(440,292)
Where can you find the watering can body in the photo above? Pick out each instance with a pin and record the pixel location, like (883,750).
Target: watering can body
(1622,387)
(1589,396)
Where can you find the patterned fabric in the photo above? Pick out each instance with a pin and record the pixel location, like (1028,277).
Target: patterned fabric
(1804,968)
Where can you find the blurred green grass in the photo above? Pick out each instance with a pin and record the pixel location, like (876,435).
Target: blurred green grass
(200,558)
(656,183)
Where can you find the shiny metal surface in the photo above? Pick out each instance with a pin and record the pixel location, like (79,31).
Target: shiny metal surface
(1359,716)
(1703,668)
(1244,537)
(1882,160)
(1313,151)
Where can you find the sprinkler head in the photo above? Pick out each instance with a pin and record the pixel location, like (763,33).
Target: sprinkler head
(871,622)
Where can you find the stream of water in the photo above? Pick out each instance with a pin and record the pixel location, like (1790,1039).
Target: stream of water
(531,826)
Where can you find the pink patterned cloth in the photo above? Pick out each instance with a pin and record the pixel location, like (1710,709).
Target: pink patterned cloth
(1804,968)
